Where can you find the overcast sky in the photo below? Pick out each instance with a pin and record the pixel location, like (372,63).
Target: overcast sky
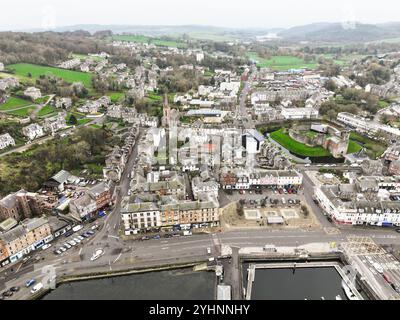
(23,14)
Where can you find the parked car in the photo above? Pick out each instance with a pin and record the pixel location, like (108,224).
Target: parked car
(77,240)
(14,289)
(37,287)
(30,283)
(46,246)
(67,245)
(72,243)
(7,294)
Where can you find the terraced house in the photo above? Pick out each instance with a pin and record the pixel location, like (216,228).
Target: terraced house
(139,217)
(28,236)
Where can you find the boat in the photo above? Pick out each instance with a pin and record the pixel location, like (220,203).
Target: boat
(350,295)
(338,297)
(97,255)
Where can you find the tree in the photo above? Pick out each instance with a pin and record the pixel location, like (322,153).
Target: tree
(331,85)
(72,120)
(331,114)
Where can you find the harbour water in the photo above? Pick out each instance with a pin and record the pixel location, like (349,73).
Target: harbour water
(298,284)
(182,284)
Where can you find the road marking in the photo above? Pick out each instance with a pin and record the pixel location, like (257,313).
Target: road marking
(165,248)
(118,258)
(80,251)
(114,237)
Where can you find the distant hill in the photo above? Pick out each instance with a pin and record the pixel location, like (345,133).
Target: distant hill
(316,32)
(342,32)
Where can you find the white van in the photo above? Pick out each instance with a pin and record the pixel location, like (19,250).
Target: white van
(37,288)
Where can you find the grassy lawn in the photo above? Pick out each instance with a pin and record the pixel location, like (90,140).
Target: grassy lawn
(169,43)
(354,147)
(14,103)
(42,100)
(144,39)
(281,63)
(373,149)
(131,38)
(84,121)
(154,97)
(115,96)
(383,104)
(46,110)
(23,112)
(296,147)
(24,69)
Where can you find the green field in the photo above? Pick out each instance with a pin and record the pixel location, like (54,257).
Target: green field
(24,69)
(84,121)
(14,103)
(23,112)
(296,147)
(144,39)
(46,110)
(115,96)
(373,149)
(354,147)
(281,63)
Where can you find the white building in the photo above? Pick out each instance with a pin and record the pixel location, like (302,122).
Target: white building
(140,216)
(199,57)
(252,141)
(33,93)
(346,206)
(299,113)
(6,140)
(55,124)
(64,103)
(33,131)
(209,187)
(366,126)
